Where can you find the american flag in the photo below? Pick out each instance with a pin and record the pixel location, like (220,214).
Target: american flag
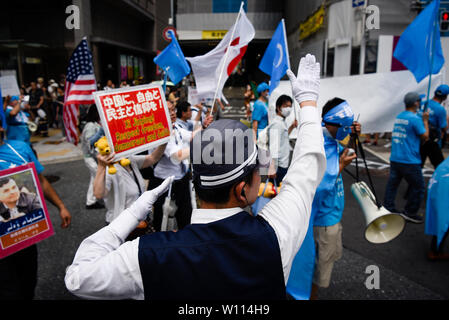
(79,86)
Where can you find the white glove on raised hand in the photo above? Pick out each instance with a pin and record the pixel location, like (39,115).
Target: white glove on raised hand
(306,85)
(144,204)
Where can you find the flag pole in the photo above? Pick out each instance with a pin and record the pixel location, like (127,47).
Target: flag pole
(431,57)
(226,57)
(165,81)
(286,43)
(288,59)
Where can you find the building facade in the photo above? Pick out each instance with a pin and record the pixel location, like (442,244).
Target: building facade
(338,32)
(201,24)
(124,36)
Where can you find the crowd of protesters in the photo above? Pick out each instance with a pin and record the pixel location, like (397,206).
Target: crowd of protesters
(168,170)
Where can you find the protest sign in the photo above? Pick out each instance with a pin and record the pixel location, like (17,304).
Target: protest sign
(8,84)
(134,119)
(24,218)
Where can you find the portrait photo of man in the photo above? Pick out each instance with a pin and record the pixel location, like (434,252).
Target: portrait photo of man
(13,202)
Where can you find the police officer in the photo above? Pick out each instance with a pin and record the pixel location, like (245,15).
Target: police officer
(226,252)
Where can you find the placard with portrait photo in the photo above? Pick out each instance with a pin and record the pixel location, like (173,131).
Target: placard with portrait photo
(24,218)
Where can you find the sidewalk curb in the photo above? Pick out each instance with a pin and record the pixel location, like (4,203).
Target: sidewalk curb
(55,161)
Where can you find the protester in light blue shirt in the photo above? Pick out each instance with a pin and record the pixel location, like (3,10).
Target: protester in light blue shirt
(405,161)
(313,264)
(437,126)
(260,112)
(17,119)
(437,211)
(18,272)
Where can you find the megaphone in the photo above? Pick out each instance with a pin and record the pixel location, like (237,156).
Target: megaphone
(32,126)
(381,225)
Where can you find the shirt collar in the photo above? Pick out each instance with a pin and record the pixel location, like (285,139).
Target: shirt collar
(203,216)
(278,117)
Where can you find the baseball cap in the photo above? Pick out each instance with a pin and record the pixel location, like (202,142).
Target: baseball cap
(442,90)
(411,97)
(14,98)
(224,154)
(262,87)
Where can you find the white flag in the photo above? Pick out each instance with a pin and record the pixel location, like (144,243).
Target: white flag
(207,68)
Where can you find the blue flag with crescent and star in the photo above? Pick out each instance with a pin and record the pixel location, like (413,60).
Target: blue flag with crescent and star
(172,61)
(275,59)
(419,47)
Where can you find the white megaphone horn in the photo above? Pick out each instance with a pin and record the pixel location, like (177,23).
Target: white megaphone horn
(32,126)
(381,225)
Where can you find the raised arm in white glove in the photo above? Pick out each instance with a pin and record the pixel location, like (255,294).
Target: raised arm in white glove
(144,204)
(306,85)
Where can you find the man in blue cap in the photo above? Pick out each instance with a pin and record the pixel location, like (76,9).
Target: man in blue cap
(405,161)
(226,252)
(260,112)
(17,116)
(437,126)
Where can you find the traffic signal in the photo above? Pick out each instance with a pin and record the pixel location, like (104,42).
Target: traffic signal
(444,21)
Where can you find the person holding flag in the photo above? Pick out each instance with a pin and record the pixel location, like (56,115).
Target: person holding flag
(275,61)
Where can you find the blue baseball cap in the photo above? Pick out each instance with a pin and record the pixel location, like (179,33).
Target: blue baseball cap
(262,87)
(15,98)
(442,90)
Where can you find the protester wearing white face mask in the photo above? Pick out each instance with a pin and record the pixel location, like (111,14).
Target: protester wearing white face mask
(278,136)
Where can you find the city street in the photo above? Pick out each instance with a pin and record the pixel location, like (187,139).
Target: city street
(405,273)
(86,82)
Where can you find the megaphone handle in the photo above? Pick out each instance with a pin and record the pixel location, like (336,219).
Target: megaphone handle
(362,153)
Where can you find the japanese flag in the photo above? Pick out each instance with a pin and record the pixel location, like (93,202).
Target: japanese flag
(207,68)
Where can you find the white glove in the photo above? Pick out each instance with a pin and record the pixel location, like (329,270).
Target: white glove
(144,204)
(306,85)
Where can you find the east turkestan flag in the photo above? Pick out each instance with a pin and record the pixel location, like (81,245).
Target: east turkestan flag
(275,59)
(419,47)
(172,60)
(207,68)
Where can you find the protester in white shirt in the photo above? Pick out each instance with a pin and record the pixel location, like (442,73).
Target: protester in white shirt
(90,129)
(174,162)
(107,268)
(184,116)
(124,187)
(279,136)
